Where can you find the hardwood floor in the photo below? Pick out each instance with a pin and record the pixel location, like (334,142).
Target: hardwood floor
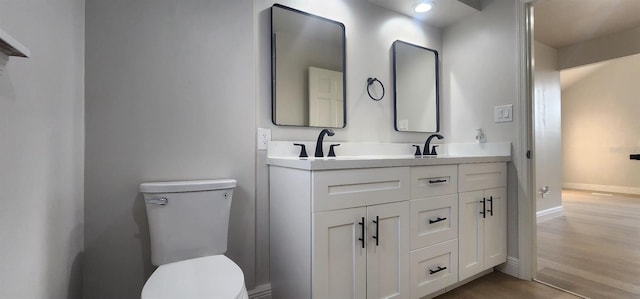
(594,249)
(498,285)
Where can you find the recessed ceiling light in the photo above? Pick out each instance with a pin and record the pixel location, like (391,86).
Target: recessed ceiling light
(423,7)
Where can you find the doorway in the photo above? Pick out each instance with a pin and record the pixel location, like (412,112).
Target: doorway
(582,243)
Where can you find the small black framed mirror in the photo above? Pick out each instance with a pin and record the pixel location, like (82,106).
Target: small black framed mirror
(416,88)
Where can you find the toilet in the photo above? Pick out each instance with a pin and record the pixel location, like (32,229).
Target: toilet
(188,226)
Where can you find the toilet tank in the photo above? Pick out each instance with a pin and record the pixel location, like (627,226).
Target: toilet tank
(187,219)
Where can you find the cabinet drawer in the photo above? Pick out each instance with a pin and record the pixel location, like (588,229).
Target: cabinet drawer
(339,189)
(433,220)
(433,180)
(433,268)
(478,176)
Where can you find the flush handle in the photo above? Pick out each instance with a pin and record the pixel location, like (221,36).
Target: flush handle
(156,201)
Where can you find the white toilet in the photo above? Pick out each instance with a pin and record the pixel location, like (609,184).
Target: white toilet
(188,225)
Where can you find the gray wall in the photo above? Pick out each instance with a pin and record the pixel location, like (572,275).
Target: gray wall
(42,151)
(169,96)
(600,129)
(547,127)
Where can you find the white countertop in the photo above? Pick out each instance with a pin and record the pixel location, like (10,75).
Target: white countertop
(373,154)
(349,162)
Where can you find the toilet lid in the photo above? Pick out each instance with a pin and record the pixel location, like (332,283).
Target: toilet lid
(205,277)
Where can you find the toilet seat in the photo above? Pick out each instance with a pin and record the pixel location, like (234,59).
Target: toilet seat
(213,276)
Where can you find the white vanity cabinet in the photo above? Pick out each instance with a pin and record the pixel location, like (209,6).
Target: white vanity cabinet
(340,233)
(390,228)
(483,217)
(434,228)
(361,252)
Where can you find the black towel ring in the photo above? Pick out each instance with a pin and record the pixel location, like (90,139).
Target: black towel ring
(370,82)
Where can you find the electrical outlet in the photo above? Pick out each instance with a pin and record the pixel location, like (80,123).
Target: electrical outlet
(264,136)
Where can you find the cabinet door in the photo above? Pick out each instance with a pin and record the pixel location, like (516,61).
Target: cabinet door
(339,260)
(388,258)
(495,227)
(471,238)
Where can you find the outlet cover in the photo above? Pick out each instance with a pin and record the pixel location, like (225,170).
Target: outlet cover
(264,136)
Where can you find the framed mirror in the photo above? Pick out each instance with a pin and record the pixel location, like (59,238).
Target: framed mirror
(416,88)
(307,69)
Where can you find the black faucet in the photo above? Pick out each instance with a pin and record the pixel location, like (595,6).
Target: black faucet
(319,153)
(427,145)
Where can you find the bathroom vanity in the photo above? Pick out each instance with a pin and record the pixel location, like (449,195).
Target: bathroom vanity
(384,227)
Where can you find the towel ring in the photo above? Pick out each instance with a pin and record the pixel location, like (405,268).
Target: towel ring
(370,82)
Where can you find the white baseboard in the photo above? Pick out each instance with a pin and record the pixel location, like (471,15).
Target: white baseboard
(511,267)
(262,291)
(548,214)
(603,188)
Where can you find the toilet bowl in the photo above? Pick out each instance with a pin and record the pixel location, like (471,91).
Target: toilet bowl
(206,277)
(188,228)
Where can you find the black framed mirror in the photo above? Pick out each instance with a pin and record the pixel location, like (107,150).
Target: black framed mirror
(416,88)
(308,69)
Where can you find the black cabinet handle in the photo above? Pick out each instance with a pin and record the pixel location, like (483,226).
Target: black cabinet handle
(437,220)
(362,238)
(484,208)
(431,272)
(437,181)
(491,205)
(377,235)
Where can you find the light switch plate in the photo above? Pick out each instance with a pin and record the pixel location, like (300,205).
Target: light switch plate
(503,113)
(264,136)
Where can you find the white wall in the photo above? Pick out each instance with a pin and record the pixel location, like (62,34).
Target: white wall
(480,63)
(547,127)
(370,31)
(169,96)
(41,151)
(600,129)
(600,49)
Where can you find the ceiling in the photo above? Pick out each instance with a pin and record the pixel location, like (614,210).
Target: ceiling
(445,12)
(560,23)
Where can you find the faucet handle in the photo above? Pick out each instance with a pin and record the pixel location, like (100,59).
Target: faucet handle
(332,153)
(433,150)
(418,153)
(303,150)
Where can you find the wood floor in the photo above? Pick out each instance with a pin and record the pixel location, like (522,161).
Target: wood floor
(498,285)
(594,249)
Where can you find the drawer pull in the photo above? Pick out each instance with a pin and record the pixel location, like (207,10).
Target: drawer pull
(437,220)
(377,236)
(437,181)
(431,272)
(484,207)
(362,238)
(491,205)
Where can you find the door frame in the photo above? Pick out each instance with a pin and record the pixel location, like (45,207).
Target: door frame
(527,234)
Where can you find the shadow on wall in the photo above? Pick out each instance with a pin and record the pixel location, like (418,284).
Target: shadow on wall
(139,214)
(7,91)
(75,277)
